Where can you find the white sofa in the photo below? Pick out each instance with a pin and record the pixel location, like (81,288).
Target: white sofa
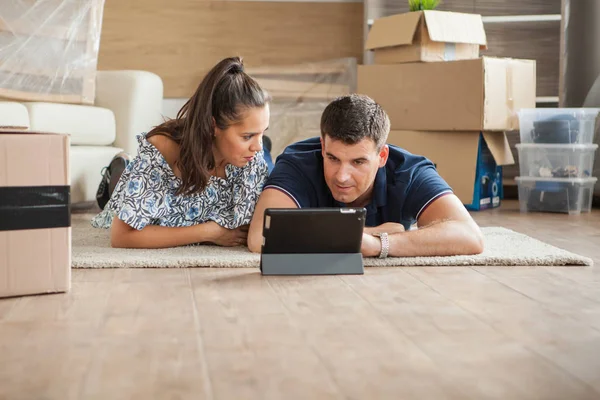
(126,104)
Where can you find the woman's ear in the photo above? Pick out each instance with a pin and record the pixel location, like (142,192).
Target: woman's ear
(214,126)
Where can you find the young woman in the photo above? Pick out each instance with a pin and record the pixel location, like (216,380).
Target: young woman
(196,178)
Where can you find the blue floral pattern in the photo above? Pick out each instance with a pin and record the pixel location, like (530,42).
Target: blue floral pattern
(146,194)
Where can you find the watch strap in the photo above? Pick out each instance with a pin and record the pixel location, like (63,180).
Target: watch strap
(385,245)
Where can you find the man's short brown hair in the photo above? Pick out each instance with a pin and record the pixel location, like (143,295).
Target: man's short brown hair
(354,117)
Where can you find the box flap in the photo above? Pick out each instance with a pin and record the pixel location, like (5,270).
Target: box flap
(522,86)
(509,86)
(496,88)
(395,30)
(6,130)
(454,153)
(452,27)
(497,142)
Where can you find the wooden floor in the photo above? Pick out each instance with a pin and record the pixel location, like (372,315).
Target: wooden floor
(394,333)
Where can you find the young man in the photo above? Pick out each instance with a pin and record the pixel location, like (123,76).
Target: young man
(352,166)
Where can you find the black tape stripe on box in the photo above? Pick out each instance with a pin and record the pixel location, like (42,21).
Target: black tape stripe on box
(34,207)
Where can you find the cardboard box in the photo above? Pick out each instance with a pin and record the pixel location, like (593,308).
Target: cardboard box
(471,162)
(426,36)
(35,214)
(469,95)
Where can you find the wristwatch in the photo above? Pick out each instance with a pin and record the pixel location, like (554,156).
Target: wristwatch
(385,243)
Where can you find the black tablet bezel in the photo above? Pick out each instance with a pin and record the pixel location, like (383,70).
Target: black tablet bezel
(313,230)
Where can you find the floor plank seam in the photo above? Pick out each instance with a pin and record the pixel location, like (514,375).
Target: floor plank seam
(338,387)
(542,357)
(540,303)
(209,392)
(8,314)
(95,349)
(590,285)
(422,350)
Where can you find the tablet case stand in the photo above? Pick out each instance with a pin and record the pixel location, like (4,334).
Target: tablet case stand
(312,264)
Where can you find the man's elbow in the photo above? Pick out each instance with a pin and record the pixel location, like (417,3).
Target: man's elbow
(254,244)
(475,244)
(255,236)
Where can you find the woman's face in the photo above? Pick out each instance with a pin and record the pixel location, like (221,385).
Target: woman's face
(239,143)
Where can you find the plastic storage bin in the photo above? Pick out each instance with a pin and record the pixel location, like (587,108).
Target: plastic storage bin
(556,160)
(558,125)
(560,195)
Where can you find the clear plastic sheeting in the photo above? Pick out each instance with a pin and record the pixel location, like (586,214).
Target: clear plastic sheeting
(300,94)
(49,49)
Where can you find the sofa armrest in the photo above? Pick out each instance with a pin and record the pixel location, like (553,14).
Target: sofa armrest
(13,115)
(135,97)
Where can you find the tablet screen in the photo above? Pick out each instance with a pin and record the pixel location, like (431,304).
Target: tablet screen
(313,230)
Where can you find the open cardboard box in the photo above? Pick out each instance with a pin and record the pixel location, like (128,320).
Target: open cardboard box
(469,95)
(426,36)
(470,162)
(35,213)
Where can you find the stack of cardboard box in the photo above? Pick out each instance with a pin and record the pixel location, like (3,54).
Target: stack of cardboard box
(35,213)
(445,102)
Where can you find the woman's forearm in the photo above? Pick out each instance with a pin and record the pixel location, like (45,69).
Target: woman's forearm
(155,237)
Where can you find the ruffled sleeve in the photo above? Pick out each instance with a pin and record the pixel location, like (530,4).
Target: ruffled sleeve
(140,196)
(247,187)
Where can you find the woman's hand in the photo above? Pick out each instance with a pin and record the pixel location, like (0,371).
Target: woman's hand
(227,237)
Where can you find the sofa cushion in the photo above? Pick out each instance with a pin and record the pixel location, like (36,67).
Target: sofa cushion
(87,125)
(13,115)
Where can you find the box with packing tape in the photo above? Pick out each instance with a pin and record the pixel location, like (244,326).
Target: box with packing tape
(426,36)
(35,213)
(469,95)
(470,162)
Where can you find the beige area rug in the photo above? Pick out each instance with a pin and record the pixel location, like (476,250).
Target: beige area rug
(503,247)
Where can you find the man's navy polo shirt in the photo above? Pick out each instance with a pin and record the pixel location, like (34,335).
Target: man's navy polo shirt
(403,188)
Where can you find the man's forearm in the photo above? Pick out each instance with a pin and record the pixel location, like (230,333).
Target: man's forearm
(269,198)
(446,238)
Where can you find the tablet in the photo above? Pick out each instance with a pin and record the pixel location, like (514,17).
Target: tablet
(313,230)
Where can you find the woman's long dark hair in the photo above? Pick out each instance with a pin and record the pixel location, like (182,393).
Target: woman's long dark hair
(224,94)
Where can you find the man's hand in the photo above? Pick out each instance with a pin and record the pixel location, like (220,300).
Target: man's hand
(371,246)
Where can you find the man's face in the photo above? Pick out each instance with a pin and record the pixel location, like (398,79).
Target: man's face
(350,169)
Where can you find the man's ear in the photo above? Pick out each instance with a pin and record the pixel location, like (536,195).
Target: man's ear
(322,145)
(384,153)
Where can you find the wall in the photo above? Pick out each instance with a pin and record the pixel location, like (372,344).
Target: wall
(580,55)
(181,39)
